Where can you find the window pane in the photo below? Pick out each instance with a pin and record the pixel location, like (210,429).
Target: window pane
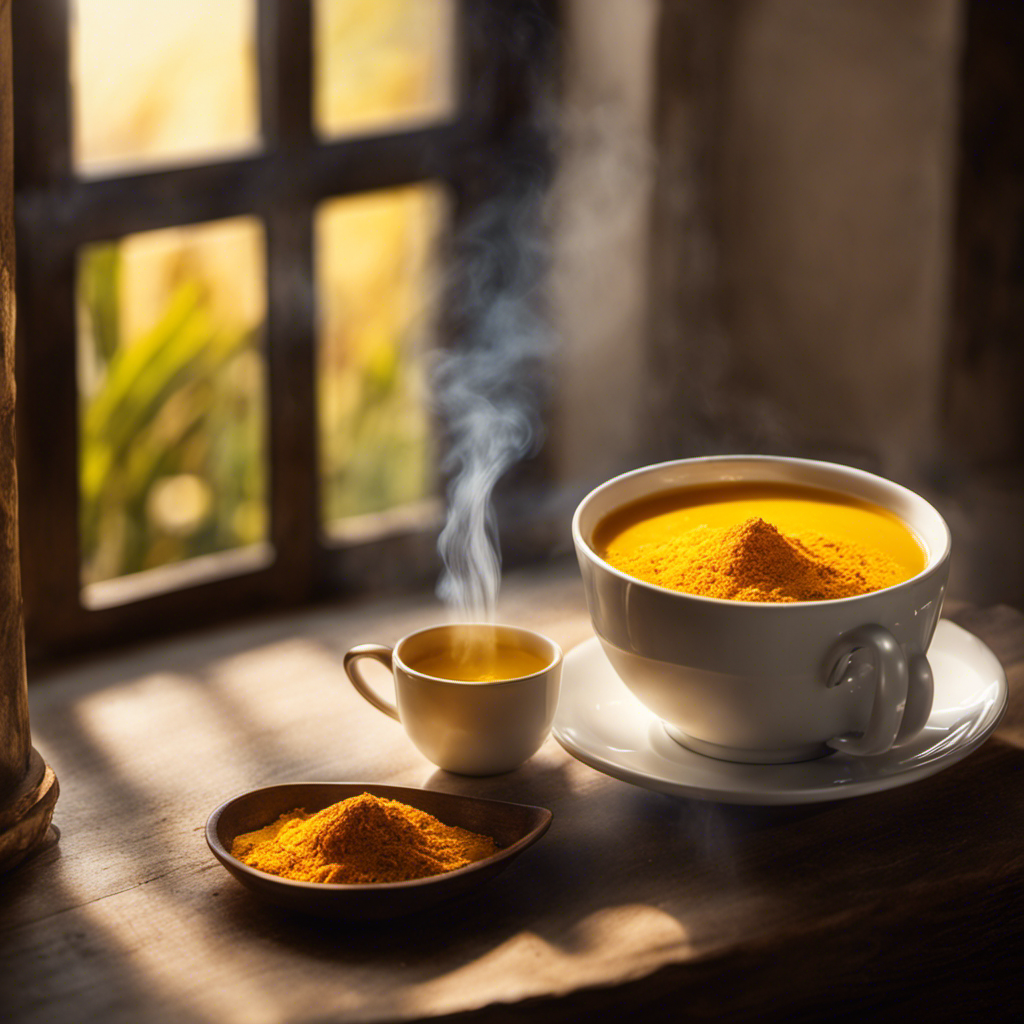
(382,63)
(162,81)
(376,272)
(171,381)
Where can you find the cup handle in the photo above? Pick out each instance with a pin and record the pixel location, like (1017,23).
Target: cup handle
(903,689)
(378,652)
(920,694)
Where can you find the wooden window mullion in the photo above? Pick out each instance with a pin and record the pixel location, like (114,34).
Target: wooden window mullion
(284,33)
(48,388)
(285,46)
(48,439)
(291,366)
(42,91)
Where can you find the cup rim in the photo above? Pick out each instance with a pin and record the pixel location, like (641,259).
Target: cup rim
(934,565)
(553,662)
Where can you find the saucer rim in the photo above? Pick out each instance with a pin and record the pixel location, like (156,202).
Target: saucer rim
(735,793)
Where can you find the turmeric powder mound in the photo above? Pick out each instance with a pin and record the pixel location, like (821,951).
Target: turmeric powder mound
(753,561)
(359,840)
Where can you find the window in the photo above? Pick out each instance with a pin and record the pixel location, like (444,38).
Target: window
(227,275)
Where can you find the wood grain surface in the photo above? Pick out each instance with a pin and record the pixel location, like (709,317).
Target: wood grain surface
(28,788)
(904,902)
(14,734)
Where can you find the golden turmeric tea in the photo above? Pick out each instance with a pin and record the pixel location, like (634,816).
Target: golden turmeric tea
(760,542)
(479,662)
(363,839)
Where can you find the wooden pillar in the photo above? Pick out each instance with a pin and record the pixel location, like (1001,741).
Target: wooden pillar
(28,788)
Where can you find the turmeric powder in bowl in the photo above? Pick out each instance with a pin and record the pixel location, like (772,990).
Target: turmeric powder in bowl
(760,542)
(362,840)
(235,827)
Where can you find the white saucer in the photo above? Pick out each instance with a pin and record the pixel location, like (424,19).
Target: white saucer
(600,722)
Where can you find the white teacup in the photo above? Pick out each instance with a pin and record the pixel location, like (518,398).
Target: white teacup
(770,683)
(468,727)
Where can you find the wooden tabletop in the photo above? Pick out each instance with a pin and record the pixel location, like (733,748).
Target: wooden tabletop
(903,902)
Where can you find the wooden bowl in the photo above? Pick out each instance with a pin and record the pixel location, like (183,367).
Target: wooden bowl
(513,827)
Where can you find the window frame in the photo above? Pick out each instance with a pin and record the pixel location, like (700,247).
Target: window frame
(58,212)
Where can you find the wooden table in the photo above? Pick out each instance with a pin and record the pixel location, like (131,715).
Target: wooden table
(904,902)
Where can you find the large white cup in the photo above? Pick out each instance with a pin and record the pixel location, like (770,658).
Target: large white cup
(472,728)
(770,683)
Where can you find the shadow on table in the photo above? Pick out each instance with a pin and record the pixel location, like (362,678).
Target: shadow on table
(911,896)
(866,901)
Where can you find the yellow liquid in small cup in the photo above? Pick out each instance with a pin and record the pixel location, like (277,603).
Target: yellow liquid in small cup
(791,508)
(480,663)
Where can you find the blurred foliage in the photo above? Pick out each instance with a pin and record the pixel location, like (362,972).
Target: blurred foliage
(180,405)
(173,81)
(375,448)
(172,379)
(380,63)
(374,280)
(162,81)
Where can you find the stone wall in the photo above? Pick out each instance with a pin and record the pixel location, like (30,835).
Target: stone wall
(837,169)
(803,224)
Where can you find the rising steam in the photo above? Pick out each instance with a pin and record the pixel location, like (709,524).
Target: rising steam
(489,387)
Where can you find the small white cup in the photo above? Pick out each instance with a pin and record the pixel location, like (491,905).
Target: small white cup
(770,683)
(471,728)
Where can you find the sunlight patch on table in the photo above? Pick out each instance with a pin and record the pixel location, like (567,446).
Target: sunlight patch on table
(528,965)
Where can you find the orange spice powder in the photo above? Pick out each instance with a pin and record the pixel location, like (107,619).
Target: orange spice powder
(359,840)
(754,561)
